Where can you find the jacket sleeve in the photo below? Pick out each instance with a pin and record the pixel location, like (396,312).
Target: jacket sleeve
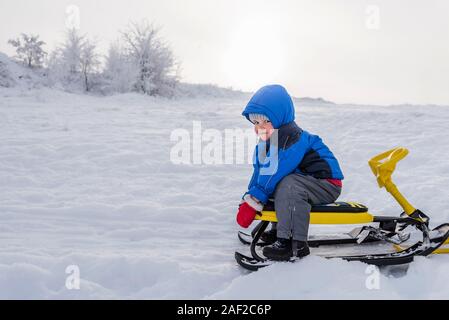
(253,180)
(288,161)
(255,174)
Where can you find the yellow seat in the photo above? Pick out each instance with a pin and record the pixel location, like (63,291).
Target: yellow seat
(333,213)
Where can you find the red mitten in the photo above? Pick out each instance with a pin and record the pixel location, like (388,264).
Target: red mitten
(245,215)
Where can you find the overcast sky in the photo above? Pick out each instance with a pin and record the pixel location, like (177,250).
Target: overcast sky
(378,52)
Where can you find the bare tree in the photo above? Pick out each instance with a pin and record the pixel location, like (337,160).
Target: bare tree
(75,61)
(153,57)
(29,50)
(89,61)
(120,72)
(71,51)
(65,61)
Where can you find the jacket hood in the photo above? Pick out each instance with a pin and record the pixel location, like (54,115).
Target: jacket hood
(274,102)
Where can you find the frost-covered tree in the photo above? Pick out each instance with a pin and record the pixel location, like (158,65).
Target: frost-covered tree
(120,72)
(75,61)
(29,50)
(153,58)
(65,61)
(89,61)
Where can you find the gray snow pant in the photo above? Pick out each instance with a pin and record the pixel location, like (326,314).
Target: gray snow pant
(293,198)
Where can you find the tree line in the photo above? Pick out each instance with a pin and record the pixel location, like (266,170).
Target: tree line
(139,60)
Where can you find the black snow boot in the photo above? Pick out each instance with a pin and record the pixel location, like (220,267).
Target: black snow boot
(269,237)
(300,248)
(281,250)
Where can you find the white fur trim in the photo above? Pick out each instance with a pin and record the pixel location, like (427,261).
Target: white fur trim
(253,203)
(257,116)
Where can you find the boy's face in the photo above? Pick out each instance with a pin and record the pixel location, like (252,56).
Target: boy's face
(264,129)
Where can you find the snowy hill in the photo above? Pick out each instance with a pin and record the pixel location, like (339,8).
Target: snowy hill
(87,181)
(312,101)
(13,74)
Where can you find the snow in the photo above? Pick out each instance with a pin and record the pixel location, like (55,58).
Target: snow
(87,181)
(13,74)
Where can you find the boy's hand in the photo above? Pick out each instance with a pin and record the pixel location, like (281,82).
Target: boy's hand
(245,215)
(248,210)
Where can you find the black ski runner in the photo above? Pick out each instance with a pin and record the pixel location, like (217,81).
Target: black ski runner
(431,242)
(246,239)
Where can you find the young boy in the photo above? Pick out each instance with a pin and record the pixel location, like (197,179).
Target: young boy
(305,173)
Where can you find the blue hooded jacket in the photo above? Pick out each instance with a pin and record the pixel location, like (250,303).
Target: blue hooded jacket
(297,150)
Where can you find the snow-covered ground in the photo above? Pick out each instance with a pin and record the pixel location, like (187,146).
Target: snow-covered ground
(87,181)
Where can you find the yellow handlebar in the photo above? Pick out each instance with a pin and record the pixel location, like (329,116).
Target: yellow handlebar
(384,169)
(383,166)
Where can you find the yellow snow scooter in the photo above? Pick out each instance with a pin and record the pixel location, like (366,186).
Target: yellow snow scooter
(373,229)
